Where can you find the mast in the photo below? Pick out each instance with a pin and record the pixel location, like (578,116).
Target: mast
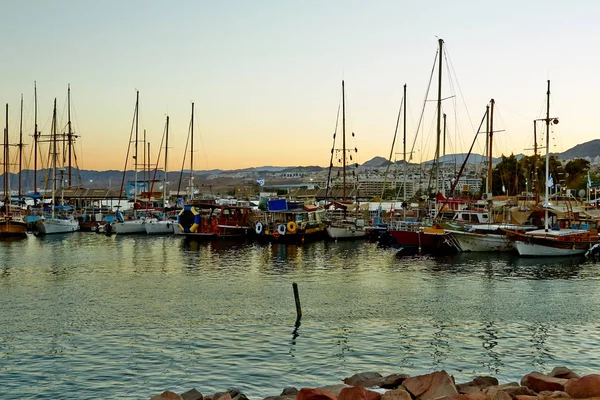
(35,139)
(492,102)
(444,148)
(192,156)
(6,168)
(135,156)
(166,150)
(439,118)
(343,143)
(21,147)
(488,184)
(535,171)
(54,154)
(404,145)
(547,156)
(145,165)
(70,132)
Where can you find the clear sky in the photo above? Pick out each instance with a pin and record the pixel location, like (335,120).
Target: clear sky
(266,75)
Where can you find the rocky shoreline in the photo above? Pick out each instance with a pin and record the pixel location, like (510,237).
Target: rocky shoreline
(560,383)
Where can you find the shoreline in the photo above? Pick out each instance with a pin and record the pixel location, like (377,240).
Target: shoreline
(560,383)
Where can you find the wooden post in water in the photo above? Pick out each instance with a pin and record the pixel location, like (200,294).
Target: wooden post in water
(297,298)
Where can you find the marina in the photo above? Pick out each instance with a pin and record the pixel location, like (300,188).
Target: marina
(130,316)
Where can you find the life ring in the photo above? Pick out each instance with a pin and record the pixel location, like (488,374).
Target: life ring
(292,227)
(258,228)
(282,229)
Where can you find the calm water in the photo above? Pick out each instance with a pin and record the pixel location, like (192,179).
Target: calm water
(89,316)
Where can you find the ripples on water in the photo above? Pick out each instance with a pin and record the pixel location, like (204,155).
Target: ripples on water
(89,316)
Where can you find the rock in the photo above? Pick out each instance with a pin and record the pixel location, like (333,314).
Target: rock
(563,372)
(556,395)
(365,379)
(315,394)
(393,381)
(192,395)
(477,384)
(526,397)
(513,389)
(335,389)
(430,386)
(470,396)
(396,394)
(539,382)
(289,397)
(358,393)
(222,396)
(289,391)
(239,396)
(494,393)
(586,386)
(166,395)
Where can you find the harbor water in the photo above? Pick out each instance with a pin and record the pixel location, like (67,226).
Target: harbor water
(91,316)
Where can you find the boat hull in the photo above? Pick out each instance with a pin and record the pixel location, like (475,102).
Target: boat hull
(480,242)
(129,227)
(419,240)
(54,225)
(12,229)
(538,250)
(345,233)
(160,228)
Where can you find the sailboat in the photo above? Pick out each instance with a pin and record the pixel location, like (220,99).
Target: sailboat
(59,221)
(12,224)
(577,239)
(413,235)
(487,236)
(165,225)
(345,226)
(132,224)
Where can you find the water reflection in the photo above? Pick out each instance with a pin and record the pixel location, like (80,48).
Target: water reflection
(489,337)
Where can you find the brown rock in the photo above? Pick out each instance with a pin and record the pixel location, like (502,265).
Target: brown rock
(358,393)
(563,372)
(280,398)
(430,386)
(539,382)
(586,386)
(365,379)
(393,381)
(513,389)
(335,389)
(315,394)
(222,396)
(477,384)
(470,396)
(192,395)
(289,391)
(166,395)
(396,394)
(496,394)
(554,395)
(526,397)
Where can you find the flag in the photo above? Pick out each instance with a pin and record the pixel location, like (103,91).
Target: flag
(589,180)
(550,182)
(261,181)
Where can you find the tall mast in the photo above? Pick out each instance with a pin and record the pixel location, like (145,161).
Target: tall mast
(491,134)
(135,157)
(54,154)
(488,184)
(547,156)
(439,119)
(444,146)
(192,155)
(535,171)
(21,147)
(404,146)
(166,150)
(70,133)
(145,164)
(343,143)
(6,168)
(35,138)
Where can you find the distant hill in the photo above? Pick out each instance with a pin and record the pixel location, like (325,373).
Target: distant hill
(589,149)
(376,162)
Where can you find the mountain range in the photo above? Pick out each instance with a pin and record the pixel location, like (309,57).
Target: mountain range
(113,178)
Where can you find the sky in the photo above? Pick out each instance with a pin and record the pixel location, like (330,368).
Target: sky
(265,76)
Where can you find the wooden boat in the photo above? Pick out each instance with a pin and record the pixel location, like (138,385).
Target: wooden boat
(203,220)
(565,238)
(290,222)
(12,224)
